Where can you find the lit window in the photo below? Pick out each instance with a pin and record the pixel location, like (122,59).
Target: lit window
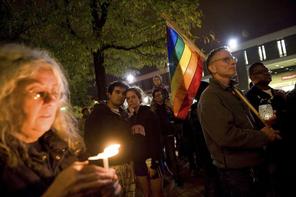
(282,48)
(262,53)
(246,58)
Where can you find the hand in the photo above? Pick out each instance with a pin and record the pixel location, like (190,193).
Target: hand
(130,111)
(151,172)
(80,179)
(168,103)
(271,120)
(271,133)
(111,190)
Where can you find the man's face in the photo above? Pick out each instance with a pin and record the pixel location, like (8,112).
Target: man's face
(117,96)
(223,64)
(261,75)
(158,98)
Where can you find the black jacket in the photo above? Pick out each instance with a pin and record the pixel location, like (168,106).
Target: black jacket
(164,115)
(47,158)
(104,127)
(146,143)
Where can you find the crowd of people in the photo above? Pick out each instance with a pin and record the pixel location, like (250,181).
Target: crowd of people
(44,150)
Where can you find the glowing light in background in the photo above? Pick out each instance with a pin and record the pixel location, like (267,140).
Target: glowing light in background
(130,78)
(232,44)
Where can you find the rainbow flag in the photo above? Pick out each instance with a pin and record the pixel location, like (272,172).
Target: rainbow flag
(185,65)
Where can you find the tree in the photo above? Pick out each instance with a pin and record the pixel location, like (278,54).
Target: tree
(107,35)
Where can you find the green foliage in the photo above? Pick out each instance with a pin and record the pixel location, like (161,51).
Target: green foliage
(132,36)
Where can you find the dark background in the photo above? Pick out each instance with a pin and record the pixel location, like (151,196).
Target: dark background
(245,19)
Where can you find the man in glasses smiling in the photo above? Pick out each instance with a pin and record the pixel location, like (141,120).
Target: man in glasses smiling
(235,145)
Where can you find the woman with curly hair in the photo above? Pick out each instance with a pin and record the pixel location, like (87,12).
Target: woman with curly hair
(39,143)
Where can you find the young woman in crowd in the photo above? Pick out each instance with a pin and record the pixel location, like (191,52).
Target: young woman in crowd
(146,144)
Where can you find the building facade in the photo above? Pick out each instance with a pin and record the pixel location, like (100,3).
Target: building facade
(277,51)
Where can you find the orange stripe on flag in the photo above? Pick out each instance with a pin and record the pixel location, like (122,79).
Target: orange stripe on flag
(189,74)
(181,92)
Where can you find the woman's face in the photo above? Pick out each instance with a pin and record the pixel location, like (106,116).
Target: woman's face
(132,100)
(40,104)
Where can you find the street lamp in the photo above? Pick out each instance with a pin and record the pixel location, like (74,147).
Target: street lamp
(232,44)
(130,78)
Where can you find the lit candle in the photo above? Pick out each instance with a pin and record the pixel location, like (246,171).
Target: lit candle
(106,162)
(109,151)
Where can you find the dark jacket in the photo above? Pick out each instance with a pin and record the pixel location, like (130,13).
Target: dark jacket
(228,129)
(47,158)
(164,115)
(258,97)
(104,127)
(145,135)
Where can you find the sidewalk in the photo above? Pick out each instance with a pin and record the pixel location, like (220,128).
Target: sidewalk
(193,185)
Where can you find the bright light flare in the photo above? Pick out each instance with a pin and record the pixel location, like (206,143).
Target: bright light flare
(130,78)
(109,151)
(112,150)
(232,44)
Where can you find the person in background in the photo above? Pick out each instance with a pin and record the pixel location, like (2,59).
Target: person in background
(261,94)
(290,141)
(107,124)
(39,143)
(157,84)
(236,147)
(146,144)
(85,113)
(165,115)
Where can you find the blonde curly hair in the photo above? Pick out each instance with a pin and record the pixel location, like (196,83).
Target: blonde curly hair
(18,63)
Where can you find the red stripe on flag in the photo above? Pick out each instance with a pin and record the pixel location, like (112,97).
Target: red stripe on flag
(181,91)
(188,98)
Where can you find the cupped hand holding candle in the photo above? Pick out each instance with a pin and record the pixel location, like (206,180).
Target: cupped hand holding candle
(82,179)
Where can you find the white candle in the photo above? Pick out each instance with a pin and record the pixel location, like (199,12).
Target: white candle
(106,162)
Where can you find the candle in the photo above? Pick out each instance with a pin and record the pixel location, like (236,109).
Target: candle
(266,111)
(109,151)
(106,162)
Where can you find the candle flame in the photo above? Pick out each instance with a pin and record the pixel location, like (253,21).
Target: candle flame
(109,151)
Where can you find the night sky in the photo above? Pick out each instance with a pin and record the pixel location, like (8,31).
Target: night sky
(245,19)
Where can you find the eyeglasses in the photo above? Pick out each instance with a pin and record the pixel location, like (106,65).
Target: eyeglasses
(45,96)
(227,60)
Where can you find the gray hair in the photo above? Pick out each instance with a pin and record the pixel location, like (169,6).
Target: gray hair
(19,63)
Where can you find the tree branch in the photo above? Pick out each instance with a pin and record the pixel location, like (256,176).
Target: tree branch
(137,46)
(99,13)
(68,23)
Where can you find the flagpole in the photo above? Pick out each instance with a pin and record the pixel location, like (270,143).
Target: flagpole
(177,29)
(243,98)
